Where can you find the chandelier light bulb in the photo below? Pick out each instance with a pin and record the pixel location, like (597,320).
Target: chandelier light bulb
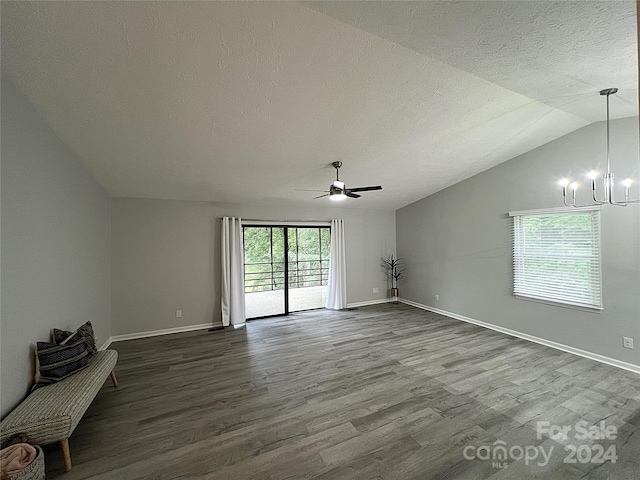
(627,183)
(574,186)
(564,182)
(593,175)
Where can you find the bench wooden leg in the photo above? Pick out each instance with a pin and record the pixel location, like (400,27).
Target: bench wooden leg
(113,378)
(66,454)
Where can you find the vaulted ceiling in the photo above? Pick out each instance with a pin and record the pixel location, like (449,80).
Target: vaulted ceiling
(248,101)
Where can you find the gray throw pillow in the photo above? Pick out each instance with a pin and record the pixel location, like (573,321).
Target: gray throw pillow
(57,362)
(62,337)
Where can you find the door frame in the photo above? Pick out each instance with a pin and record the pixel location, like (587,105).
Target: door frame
(285,226)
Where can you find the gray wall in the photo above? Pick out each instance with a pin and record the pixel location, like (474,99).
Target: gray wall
(166,257)
(457,245)
(55,244)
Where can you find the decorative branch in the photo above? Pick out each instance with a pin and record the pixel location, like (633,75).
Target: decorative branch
(394,268)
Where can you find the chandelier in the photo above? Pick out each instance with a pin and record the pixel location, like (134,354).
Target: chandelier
(608,195)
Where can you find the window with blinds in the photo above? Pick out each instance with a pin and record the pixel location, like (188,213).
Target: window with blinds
(556,256)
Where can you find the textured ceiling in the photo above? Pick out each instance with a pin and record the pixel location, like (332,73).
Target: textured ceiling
(245,102)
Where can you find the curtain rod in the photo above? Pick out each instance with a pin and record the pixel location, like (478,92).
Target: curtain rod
(294,223)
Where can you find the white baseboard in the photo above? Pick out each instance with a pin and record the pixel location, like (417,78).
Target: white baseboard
(368,302)
(548,343)
(203,326)
(155,333)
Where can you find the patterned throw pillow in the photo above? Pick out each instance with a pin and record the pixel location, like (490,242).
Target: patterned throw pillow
(62,337)
(56,362)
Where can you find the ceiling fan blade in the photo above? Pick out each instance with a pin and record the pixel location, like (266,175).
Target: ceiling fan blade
(352,195)
(320,196)
(364,189)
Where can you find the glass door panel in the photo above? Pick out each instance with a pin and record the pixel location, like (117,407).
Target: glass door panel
(308,267)
(264,271)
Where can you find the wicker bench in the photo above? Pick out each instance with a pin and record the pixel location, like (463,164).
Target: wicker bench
(51,413)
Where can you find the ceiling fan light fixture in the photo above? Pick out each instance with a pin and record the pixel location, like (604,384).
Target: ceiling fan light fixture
(337,195)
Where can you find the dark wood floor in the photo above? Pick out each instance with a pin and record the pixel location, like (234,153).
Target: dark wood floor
(386,391)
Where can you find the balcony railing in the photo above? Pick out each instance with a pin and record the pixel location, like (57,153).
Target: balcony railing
(301,274)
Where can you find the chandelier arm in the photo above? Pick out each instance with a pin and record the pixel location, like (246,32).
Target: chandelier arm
(573,200)
(611,187)
(625,203)
(564,197)
(584,205)
(595,198)
(612,200)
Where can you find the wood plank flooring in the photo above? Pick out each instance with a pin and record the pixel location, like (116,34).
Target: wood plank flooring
(384,392)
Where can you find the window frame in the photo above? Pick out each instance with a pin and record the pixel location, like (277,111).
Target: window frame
(518,257)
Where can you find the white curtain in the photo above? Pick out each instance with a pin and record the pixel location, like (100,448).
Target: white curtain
(233,310)
(337,294)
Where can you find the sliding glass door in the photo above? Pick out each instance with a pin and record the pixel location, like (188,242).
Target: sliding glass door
(308,267)
(275,253)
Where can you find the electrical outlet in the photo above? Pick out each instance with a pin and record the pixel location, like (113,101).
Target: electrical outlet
(178,313)
(627,342)
(437,297)
(376,290)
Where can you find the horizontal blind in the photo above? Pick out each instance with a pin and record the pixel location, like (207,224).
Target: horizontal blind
(556,257)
